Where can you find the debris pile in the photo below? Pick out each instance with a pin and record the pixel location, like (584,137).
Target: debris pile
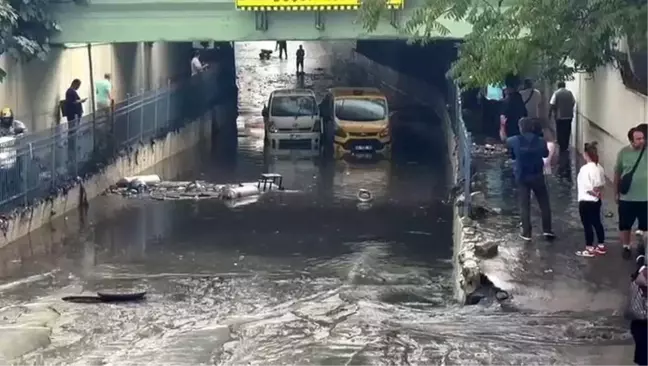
(151,186)
(489,150)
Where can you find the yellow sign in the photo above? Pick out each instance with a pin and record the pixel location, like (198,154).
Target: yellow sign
(307,5)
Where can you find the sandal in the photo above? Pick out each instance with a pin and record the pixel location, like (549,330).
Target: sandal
(601,249)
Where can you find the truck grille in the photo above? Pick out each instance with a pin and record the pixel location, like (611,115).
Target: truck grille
(362,134)
(305,129)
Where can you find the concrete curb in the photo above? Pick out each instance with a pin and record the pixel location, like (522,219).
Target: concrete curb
(471,246)
(134,161)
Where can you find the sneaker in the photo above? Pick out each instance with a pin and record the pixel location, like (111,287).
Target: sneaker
(601,249)
(627,252)
(589,252)
(525,237)
(549,235)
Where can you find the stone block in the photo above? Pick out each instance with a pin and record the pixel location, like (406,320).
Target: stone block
(486,249)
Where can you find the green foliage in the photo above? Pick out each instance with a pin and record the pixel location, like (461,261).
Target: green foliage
(25,29)
(551,39)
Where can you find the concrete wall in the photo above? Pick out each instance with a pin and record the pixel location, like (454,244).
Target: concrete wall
(606,110)
(135,160)
(34,89)
(429,63)
(48,242)
(140,159)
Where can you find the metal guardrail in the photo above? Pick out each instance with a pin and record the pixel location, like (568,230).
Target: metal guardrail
(464,143)
(39,165)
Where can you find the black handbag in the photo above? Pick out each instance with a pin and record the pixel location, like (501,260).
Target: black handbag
(626,179)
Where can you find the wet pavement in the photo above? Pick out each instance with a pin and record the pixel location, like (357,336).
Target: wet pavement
(309,277)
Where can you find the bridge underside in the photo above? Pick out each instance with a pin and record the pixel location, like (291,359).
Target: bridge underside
(218,22)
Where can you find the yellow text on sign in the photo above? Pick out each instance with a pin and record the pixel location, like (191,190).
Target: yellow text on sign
(306,5)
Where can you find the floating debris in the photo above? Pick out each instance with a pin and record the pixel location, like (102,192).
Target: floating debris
(151,186)
(364,196)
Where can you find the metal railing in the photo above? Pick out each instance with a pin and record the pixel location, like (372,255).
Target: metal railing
(42,164)
(464,142)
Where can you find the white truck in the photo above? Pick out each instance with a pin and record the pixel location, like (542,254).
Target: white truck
(291,119)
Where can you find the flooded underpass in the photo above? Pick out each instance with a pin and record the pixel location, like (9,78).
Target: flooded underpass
(306,277)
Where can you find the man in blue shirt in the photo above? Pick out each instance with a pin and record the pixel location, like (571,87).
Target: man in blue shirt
(528,149)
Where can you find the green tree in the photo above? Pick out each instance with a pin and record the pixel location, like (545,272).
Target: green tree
(551,39)
(25,29)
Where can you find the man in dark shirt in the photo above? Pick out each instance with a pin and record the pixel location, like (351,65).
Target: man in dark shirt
(283,49)
(73,110)
(528,149)
(73,103)
(300,59)
(513,109)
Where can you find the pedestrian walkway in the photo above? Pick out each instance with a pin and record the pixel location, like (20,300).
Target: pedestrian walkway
(547,277)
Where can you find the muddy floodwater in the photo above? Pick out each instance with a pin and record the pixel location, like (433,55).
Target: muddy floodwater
(303,277)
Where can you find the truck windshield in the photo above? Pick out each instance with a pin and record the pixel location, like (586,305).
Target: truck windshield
(361,110)
(293,106)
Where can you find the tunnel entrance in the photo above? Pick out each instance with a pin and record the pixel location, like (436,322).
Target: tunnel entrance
(315,250)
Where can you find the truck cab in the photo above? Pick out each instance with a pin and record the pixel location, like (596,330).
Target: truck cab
(358,120)
(291,119)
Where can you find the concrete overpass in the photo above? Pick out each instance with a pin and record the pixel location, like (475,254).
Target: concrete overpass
(117,21)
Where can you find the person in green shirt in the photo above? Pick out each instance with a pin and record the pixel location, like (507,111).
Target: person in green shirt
(103,92)
(633,205)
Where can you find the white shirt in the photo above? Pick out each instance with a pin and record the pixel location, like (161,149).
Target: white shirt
(196,65)
(590,176)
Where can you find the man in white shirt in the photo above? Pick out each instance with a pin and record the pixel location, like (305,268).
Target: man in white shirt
(196,65)
(562,108)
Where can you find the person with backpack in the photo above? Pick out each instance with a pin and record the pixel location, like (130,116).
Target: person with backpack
(513,110)
(528,150)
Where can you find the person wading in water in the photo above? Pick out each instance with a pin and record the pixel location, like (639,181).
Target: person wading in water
(528,150)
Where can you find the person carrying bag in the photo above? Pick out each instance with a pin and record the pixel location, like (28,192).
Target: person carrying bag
(626,180)
(637,310)
(631,189)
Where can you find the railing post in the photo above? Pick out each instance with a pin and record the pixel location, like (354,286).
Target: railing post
(168,104)
(24,175)
(128,106)
(54,142)
(141,131)
(467,171)
(75,138)
(156,103)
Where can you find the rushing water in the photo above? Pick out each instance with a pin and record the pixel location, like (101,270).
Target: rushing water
(297,278)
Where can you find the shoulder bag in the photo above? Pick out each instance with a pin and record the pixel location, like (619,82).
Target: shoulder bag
(635,308)
(529,97)
(626,179)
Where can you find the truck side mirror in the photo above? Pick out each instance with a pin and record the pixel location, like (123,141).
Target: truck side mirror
(264,112)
